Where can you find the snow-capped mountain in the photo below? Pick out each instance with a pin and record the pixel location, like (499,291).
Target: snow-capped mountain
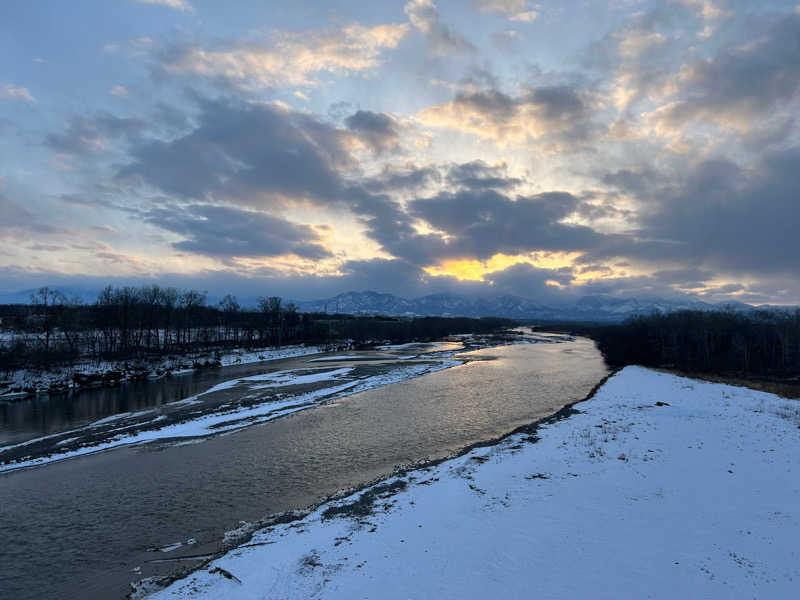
(588,308)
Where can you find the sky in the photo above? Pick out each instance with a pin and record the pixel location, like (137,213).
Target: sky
(548,150)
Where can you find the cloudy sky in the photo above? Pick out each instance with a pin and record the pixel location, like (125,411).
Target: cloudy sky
(544,149)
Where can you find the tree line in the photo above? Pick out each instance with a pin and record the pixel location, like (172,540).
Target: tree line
(757,343)
(149,321)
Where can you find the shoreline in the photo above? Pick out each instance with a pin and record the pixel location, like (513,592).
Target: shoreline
(337,525)
(244,534)
(65,379)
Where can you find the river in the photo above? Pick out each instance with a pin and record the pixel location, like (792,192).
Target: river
(86,527)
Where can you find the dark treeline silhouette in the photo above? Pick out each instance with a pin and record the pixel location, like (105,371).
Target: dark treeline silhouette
(151,321)
(754,344)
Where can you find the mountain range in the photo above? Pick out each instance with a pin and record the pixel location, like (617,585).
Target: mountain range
(587,308)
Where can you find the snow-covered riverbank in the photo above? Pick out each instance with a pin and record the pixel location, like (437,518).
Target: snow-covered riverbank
(660,487)
(26,382)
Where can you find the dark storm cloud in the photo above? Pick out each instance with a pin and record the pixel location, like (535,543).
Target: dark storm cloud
(379,131)
(229,232)
(247,153)
(481,175)
(85,134)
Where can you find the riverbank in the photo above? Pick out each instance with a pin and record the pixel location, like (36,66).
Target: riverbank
(90,374)
(660,486)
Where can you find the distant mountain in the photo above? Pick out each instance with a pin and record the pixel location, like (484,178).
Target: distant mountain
(588,308)
(610,306)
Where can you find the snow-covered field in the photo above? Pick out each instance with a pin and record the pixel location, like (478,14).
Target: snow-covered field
(661,487)
(236,418)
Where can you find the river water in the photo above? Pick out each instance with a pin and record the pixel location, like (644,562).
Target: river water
(87,527)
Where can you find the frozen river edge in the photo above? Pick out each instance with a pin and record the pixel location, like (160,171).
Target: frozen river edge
(656,486)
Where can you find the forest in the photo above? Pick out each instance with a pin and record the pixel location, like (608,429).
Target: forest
(762,343)
(143,322)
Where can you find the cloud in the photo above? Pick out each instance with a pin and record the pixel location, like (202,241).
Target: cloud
(556,113)
(515,10)
(404,178)
(12,92)
(505,40)
(741,220)
(86,134)
(481,223)
(479,174)
(474,224)
(14,215)
(442,40)
(379,131)
(181,5)
(17,217)
(249,153)
(636,181)
(739,85)
(528,281)
(285,59)
(508,7)
(228,232)
(525,17)
(709,10)
(119,90)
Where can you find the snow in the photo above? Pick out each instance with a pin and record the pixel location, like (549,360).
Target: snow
(398,346)
(698,497)
(277,379)
(233,419)
(38,380)
(331,358)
